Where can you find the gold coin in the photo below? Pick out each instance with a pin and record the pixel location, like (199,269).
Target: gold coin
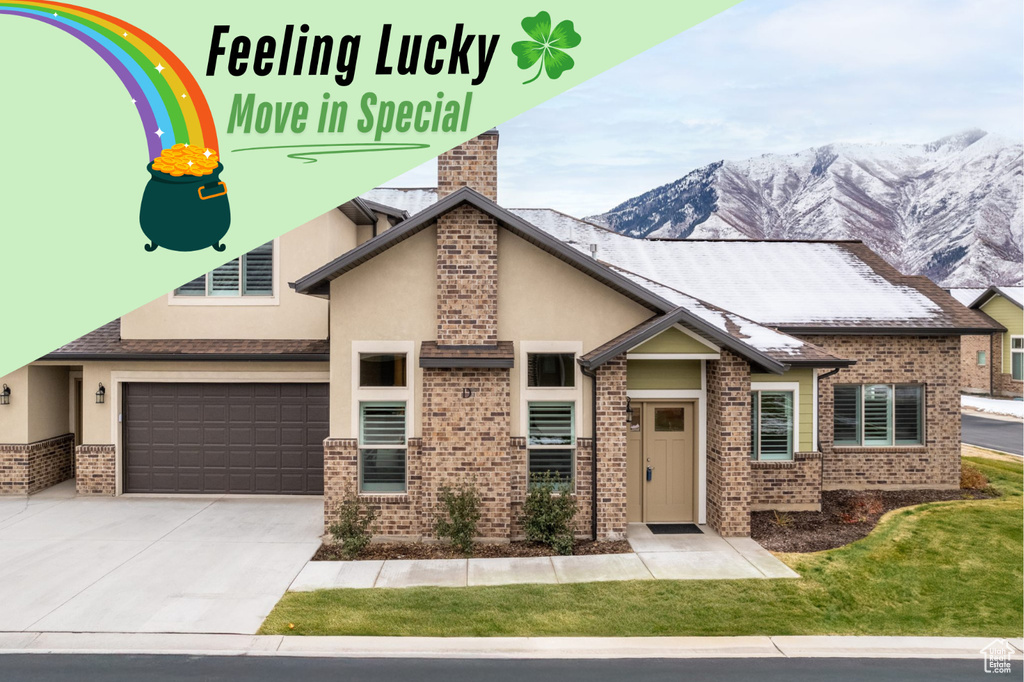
(177,173)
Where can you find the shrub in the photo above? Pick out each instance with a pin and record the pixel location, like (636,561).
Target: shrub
(354,528)
(460,512)
(548,513)
(972,479)
(782,519)
(861,508)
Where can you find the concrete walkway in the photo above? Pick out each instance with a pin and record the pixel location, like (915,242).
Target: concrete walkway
(200,564)
(657,557)
(503,647)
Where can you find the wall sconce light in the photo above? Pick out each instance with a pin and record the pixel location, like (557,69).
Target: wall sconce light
(629,410)
(5,395)
(101,395)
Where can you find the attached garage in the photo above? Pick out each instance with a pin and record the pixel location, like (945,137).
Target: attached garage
(225,438)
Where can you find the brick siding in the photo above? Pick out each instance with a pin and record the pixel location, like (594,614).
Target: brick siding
(31,467)
(793,485)
(975,378)
(728,446)
(96,469)
(931,360)
(474,163)
(612,425)
(467,278)
(1002,377)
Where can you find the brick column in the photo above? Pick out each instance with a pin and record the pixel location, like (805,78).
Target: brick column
(611,449)
(728,448)
(474,163)
(96,469)
(467,278)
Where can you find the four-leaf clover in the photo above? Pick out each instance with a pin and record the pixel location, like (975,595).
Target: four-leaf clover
(548,44)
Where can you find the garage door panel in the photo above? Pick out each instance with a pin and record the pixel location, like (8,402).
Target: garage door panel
(215,438)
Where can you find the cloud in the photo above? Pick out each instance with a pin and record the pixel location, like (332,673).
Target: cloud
(768,77)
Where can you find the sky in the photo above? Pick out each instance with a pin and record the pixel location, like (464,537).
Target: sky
(766,76)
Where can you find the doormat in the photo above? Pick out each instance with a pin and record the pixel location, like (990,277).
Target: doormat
(675,529)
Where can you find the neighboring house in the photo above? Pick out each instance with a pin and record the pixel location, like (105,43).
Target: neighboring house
(676,381)
(994,364)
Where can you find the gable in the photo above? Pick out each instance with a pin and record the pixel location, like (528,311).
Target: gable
(672,340)
(1005,312)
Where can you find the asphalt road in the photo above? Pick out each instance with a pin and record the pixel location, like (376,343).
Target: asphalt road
(108,668)
(994,434)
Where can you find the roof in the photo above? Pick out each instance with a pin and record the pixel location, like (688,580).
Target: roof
(1014,295)
(739,333)
(412,200)
(967,296)
(358,211)
(501,354)
(797,286)
(106,343)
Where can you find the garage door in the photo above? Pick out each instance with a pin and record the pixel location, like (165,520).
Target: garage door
(225,438)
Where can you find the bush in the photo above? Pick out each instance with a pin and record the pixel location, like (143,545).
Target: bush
(548,513)
(782,519)
(861,508)
(460,512)
(972,479)
(354,528)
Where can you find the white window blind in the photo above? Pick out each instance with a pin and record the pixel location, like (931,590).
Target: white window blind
(551,439)
(250,275)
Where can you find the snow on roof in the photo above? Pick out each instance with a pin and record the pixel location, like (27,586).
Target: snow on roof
(412,199)
(771,282)
(967,296)
(1013,293)
(759,337)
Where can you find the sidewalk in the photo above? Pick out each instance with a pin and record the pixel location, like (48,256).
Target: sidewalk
(500,647)
(706,556)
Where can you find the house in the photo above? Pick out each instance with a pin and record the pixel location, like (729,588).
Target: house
(418,337)
(994,364)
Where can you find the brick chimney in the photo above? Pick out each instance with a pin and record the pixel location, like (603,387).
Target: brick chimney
(474,164)
(467,247)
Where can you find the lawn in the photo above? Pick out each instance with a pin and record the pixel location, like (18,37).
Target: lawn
(944,568)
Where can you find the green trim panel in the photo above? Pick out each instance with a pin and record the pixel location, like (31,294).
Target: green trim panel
(663,374)
(673,341)
(805,378)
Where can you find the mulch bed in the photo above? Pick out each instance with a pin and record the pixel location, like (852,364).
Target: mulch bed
(434,550)
(841,520)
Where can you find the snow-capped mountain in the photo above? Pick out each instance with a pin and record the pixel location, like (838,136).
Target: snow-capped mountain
(951,209)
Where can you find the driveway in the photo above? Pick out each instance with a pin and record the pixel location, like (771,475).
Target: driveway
(150,564)
(1002,434)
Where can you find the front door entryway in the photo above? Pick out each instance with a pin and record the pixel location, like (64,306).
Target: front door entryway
(662,477)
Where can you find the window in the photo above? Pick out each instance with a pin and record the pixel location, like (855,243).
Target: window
(250,275)
(771,418)
(551,439)
(381,370)
(981,358)
(382,447)
(878,414)
(550,370)
(1017,357)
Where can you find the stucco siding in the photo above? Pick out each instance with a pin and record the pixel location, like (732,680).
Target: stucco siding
(290,316)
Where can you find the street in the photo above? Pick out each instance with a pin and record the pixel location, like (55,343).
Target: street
(994,434)
(110,668)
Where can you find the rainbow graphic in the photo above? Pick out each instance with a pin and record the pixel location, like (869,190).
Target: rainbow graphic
(170,103)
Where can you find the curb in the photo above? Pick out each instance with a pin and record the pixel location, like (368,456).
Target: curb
(499,647)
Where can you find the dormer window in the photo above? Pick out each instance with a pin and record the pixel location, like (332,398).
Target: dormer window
(250,275)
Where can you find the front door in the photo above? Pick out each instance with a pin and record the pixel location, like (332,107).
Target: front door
(669,471)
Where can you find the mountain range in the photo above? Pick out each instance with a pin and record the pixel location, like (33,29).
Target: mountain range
(950,209)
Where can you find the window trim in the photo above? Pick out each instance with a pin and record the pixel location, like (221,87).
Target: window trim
(360,446)
(384,394)
(891,408)
(779,387)
(528,394)
(1019,351)
(571,447)
(240,300)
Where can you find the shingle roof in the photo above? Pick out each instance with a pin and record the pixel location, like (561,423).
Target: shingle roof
(106,343)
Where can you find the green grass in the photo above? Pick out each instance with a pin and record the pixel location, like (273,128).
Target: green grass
(943,568)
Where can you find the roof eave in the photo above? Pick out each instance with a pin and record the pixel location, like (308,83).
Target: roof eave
(891,331)
(212,357)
